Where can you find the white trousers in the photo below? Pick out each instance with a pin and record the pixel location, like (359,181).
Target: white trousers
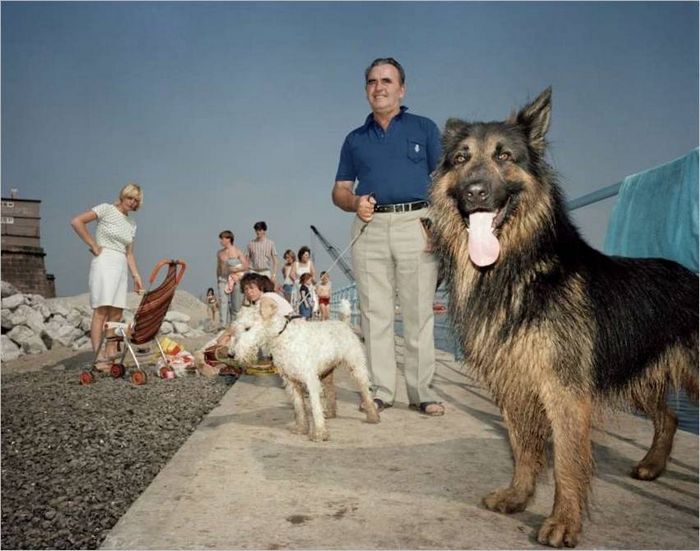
(389,261)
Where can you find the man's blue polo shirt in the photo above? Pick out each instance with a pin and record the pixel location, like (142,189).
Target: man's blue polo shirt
(395,164)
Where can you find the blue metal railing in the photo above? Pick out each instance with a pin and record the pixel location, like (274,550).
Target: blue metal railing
(594,197)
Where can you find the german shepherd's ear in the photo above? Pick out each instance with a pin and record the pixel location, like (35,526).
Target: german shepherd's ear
(454,130)
(535,118)
(268,307)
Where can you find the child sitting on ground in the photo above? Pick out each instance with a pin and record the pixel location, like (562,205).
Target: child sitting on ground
(255,286)
(323,291)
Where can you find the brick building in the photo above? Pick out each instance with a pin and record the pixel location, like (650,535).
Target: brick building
(22,254)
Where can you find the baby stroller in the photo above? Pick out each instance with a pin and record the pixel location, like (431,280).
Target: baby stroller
(144,328)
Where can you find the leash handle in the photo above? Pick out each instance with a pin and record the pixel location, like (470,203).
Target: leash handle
(373,195)
(354,239)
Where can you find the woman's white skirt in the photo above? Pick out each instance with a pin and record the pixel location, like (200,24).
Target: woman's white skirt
(108,279)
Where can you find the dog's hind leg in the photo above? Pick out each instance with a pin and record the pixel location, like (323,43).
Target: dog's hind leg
(329,397)
(665,424)
(528,432)
(570,415)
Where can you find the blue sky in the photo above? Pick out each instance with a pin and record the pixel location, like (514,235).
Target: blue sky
(231,112)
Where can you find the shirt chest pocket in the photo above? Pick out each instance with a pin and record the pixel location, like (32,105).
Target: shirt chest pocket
(416,150)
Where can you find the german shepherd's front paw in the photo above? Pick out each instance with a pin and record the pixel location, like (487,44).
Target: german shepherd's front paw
(557,532)
(506,500)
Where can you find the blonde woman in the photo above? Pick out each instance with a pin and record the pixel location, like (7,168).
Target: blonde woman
(113,249)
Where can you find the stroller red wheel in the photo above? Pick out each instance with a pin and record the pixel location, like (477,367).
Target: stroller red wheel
(86,378)
(138,377)
(117,370)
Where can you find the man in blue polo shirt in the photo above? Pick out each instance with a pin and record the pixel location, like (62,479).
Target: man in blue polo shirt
(391,156)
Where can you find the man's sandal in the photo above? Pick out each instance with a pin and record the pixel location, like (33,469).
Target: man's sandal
(433,409)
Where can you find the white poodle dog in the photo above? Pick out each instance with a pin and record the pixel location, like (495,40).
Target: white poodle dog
(305,354)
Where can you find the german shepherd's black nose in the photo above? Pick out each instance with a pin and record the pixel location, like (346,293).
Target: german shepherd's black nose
(476,194)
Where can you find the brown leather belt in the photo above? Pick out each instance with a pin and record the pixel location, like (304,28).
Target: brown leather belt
(401,207)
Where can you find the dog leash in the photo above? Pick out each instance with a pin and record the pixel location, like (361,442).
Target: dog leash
(354,240)
(340,255)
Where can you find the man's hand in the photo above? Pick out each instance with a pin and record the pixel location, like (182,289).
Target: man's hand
(365,207)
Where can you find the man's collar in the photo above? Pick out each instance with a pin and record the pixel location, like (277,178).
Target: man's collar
(370,118)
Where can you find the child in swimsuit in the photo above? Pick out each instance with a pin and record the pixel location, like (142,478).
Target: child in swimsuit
(323,291)
(213,304)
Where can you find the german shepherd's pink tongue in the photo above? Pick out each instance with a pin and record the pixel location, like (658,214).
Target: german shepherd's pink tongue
(483,245)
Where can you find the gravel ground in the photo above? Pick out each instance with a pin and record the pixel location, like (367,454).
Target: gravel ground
(75,457)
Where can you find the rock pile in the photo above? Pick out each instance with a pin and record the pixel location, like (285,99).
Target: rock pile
(32,324)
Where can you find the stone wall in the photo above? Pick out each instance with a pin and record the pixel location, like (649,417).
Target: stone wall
(24,268)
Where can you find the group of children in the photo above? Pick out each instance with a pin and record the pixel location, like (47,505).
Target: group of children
(301,301)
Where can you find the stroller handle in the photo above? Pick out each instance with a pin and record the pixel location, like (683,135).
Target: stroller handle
(166,262)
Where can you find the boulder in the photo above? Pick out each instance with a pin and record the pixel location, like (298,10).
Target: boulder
(166,328)
(8,349)
(20,333)
(33,300)
(43,309)
(84,309)
(177,316)
(58,318)
(181,327)
(59,307)
(67,334)
(52,330)
(63,333)
(5,314)
(7,289)
(34,345)
(74,317)
(24,315)
(13,301)
(30,342)
(85,324)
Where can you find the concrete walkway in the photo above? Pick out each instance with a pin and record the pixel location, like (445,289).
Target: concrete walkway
(244,481)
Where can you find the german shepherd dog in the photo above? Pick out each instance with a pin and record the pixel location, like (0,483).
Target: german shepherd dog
(555,329)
